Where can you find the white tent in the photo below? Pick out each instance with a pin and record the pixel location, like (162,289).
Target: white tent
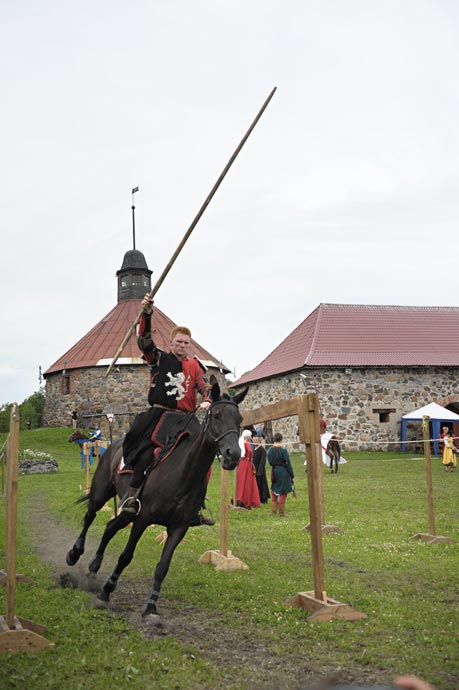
(434,411)
(437,415)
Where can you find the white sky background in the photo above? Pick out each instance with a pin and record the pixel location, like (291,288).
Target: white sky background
(347,190)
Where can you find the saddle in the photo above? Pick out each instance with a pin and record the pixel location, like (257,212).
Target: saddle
(170,430)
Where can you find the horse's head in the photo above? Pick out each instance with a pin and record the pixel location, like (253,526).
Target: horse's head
(77,436)
(223,422)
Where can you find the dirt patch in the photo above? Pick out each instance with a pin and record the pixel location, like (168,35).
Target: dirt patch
(238,653)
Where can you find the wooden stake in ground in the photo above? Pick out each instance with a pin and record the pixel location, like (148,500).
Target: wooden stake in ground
(326,529)
(16,634)
(223,559)
(431,537)
(322,607)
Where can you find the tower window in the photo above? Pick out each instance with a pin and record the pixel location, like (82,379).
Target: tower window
(65,385)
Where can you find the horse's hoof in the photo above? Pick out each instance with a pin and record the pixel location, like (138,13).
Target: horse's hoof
(149,611)
(71,558)
(99,604)
(103,596)
(151,618)
(95,564)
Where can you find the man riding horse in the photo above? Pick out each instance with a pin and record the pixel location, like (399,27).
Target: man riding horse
(175,380)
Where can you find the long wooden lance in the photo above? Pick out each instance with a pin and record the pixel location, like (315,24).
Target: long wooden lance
(195,221)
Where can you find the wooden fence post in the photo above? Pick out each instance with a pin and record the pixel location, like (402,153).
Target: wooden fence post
(223,559)
(431,537)
(323,608)
(16,634)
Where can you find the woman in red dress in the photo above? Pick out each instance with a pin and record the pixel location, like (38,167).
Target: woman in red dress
(247,488)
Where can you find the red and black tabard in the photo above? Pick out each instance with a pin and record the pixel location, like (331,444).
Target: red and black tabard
(174,383)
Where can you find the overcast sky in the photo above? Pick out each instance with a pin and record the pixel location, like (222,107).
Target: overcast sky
(347,190)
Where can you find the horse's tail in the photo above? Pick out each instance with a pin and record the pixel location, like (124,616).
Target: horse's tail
(82,499)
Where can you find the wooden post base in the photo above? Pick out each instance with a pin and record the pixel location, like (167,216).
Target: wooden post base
(221,562)
(434,539)
(325,529)
(24,636)
(324,610)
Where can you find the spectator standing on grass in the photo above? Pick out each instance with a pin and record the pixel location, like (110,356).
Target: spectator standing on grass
(449,453)
(247,488)
(259,461)
(281,476)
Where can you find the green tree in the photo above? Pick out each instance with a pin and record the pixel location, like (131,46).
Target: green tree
(5,414)
(32,408)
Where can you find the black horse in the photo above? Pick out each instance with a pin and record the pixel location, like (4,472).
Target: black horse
(333,451)
(172,495)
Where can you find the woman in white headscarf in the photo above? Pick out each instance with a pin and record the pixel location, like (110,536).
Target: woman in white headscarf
(247,488)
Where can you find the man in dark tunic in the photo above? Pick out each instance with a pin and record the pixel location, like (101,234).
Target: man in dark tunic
(175,380)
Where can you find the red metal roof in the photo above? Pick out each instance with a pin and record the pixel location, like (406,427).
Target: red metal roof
(100,345)
(357,335)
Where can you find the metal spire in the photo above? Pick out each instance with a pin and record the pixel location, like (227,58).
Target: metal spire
(136,189)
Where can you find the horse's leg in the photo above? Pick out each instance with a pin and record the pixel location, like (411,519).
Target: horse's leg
(174,537)
(138,528)
(77,549)
(94,505)
(102,490)
(113,527)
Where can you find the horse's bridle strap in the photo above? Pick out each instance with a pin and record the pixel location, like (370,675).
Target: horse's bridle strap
(208,420)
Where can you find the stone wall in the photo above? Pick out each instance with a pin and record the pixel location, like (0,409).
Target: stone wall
(363,407)
(122,393)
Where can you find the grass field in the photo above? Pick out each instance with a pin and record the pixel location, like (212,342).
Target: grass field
(408,589)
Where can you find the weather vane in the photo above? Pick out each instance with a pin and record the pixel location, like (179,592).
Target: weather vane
(136,189)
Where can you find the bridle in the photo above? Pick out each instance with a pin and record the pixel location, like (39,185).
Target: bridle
(207,423)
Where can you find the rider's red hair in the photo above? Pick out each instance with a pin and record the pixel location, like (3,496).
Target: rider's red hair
(180,329)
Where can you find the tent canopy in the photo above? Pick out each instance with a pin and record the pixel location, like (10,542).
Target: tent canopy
(434,411)
(437,414)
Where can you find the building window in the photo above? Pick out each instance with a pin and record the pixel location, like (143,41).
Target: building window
(384,414)
(65,385)
(123,282)
(145,281)
(136,280)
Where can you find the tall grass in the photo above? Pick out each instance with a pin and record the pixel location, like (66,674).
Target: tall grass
(408,589)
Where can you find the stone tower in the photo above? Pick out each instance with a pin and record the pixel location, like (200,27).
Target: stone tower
(77,380)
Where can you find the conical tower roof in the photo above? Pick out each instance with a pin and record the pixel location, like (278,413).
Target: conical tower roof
(100,344)
(98,347)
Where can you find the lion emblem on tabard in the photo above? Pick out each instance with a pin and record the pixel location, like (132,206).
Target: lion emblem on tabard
(175,383)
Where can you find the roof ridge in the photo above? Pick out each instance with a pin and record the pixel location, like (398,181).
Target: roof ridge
(389,306)
(316,333)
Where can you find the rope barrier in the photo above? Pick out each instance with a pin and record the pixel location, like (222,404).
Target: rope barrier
(367,443)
